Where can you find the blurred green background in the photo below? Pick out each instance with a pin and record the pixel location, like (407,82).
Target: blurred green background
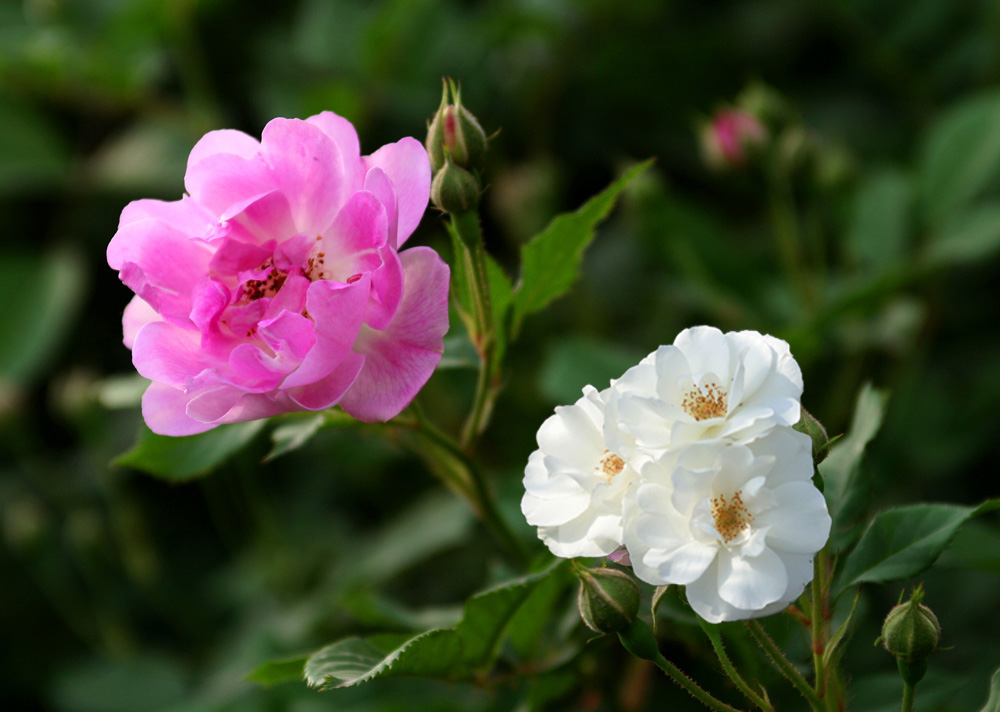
(123,592)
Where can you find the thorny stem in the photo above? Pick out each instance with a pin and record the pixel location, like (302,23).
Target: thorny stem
(638,639)
(712,631)
(784,665)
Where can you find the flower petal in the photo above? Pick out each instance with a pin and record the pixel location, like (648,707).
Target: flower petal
(751,584)
(223,141)
(408,167)
(164,408)
(307,167)
(400,359)
(337,309)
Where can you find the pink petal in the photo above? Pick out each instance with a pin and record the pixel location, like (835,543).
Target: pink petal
(266,217)
(229,404)
(337,309)
(184,215)
(168,353)
(387,290)
(137,314)
(307,167)
(325,392)
(349,246)
(160,264)
(400,359)
(224,180)
(408,167)
(378,183)
(164,410)
(290,335)
(343,134)
(254,371)
(223,141)
(235,256)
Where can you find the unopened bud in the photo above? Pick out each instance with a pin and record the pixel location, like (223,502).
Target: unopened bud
(731,138)
(609,599)
(454,189)
(455,131)
(911,632)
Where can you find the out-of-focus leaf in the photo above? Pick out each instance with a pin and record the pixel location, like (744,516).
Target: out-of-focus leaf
(534,618)
(904,542)
(961,156)
(275,672)
(881,693)
(881,221)
(993,703)
(293,435)
(181,459)
(550,262)
(40,295)
(133,684)
(842,487)
(430,525)
(577,361)
(31,153)
(970,236)
(448,653)
(151,155)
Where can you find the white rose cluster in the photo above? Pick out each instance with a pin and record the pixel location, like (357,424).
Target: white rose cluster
(690,462)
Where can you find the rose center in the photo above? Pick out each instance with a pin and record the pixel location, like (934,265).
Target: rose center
(609,465)
(266,286)
(705,401)
(731,516)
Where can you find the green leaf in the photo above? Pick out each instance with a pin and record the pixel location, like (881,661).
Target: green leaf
(532,623)
(658,595)
(501,296)
(40,296)
(453,653)
(293,435)
(577,360)
(902,543)
(550,262)
(188,457)
(968,237)
(274,672)
(993,703)
(846,492)
(961,156)
(441,519)
(880,225)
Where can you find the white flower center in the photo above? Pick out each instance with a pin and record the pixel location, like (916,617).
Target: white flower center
(705,401)
(609,465)
(731,516)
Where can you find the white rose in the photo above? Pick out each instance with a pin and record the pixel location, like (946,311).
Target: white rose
(574,485)
(706,386)
(738,525)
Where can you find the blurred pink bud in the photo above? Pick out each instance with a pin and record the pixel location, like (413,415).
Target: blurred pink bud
(730,138)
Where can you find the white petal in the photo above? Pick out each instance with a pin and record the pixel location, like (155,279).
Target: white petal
(800,522)
(751,584)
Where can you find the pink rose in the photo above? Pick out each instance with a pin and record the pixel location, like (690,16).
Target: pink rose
(276,284)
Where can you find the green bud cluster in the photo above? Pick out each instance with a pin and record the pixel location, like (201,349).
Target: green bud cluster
(455,146)
(455,132)
(608,600)
(911,632)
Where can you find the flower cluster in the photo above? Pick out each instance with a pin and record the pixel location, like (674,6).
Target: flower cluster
(277,283)
(690,462)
